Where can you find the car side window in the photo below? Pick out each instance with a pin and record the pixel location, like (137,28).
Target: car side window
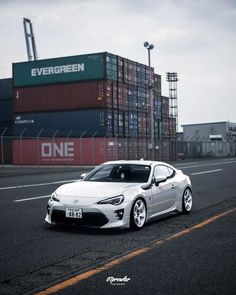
(163,170)
(171,172)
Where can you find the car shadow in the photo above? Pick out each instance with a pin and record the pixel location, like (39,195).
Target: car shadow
(75,229)
(164,218)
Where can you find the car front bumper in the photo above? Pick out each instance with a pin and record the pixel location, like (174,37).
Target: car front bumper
(97,215)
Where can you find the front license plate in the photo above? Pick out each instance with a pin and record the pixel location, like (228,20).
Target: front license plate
(73,213)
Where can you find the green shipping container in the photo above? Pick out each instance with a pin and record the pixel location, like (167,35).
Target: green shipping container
(61,70)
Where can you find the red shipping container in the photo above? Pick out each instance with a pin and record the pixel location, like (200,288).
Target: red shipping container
(94,94)
(71,151)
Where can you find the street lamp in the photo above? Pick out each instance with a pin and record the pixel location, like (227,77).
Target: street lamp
(149,48)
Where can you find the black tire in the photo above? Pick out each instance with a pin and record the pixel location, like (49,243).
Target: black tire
(187,201)
(138,214)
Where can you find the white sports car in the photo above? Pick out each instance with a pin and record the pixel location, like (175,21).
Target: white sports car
(121,194)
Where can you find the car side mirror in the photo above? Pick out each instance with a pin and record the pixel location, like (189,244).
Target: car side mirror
(159,179)
(82,176)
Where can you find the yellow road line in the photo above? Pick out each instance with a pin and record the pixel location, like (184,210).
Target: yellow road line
(83,276)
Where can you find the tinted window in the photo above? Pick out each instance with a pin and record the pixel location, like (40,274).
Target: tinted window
(120,173)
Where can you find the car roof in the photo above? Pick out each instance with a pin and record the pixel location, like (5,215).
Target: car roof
(136,162)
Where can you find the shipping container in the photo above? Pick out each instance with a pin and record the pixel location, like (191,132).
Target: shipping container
(93,94)
(5,89)
(97,66)
(84,151)
(172,128)
(141,75)
(165,107)
(133,123)
(6,150)
(63,151)
(75,151)
(157,108)
(98,122)
(157,84)
(111,67)
(6,128)
(77,123)
(165,128)
(147,76)
(158,130)
(132,98)
(165,150)
(142,102)
(122,97)
(5,110)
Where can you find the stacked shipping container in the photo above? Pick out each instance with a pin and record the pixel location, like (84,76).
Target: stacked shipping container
(5,102)
(86,96)
(6,120)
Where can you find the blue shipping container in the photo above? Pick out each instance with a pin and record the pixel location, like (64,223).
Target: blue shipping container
(5,110)
(5,89)
(78,123)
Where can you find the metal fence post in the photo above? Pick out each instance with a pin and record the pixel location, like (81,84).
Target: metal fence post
(39,146)
(53,140)
(80,147)
(2,149)
(21,147)
(105,150)
(67,139)
(93,147)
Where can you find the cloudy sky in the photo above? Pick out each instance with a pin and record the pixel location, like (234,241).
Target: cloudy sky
(196,38)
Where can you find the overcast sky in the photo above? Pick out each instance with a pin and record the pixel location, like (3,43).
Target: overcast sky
(195,38)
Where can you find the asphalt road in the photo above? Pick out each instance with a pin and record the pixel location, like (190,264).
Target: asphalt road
(34,256)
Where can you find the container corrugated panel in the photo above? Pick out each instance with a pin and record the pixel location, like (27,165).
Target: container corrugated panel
(6,151)
(73,151)
(5,88)
(142,149)
(6,129)
(5,110)
(133,123)
(165,101)
(142,99)
(165,106)
(122,97)
(157,84)
(111,67)
(93,94)
(158,129)
(60,70)
(84,123)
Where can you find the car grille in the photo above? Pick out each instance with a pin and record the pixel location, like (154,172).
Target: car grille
(89,218)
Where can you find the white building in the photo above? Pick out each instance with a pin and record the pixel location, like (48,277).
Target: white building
(220,131)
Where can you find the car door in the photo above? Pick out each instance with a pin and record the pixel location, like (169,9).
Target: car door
(164,195)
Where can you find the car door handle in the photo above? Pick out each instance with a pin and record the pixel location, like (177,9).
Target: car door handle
(172,186)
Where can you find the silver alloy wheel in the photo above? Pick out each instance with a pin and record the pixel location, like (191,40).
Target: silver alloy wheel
(139,213)
(188,200)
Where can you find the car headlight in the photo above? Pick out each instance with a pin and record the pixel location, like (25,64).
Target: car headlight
(54,197)
(117,200)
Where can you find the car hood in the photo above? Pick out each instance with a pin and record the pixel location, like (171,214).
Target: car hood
(90,191)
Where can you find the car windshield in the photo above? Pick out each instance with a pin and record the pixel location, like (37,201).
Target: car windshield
(120,173)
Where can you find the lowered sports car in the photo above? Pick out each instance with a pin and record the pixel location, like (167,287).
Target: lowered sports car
(121,194)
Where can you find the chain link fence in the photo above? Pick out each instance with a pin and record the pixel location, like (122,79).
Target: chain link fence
(202,149)
(82,150)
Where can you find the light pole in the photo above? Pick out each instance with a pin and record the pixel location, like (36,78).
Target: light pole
(149,48)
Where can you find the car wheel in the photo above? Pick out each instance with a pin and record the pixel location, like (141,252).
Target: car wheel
(187,202)
(138,214)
